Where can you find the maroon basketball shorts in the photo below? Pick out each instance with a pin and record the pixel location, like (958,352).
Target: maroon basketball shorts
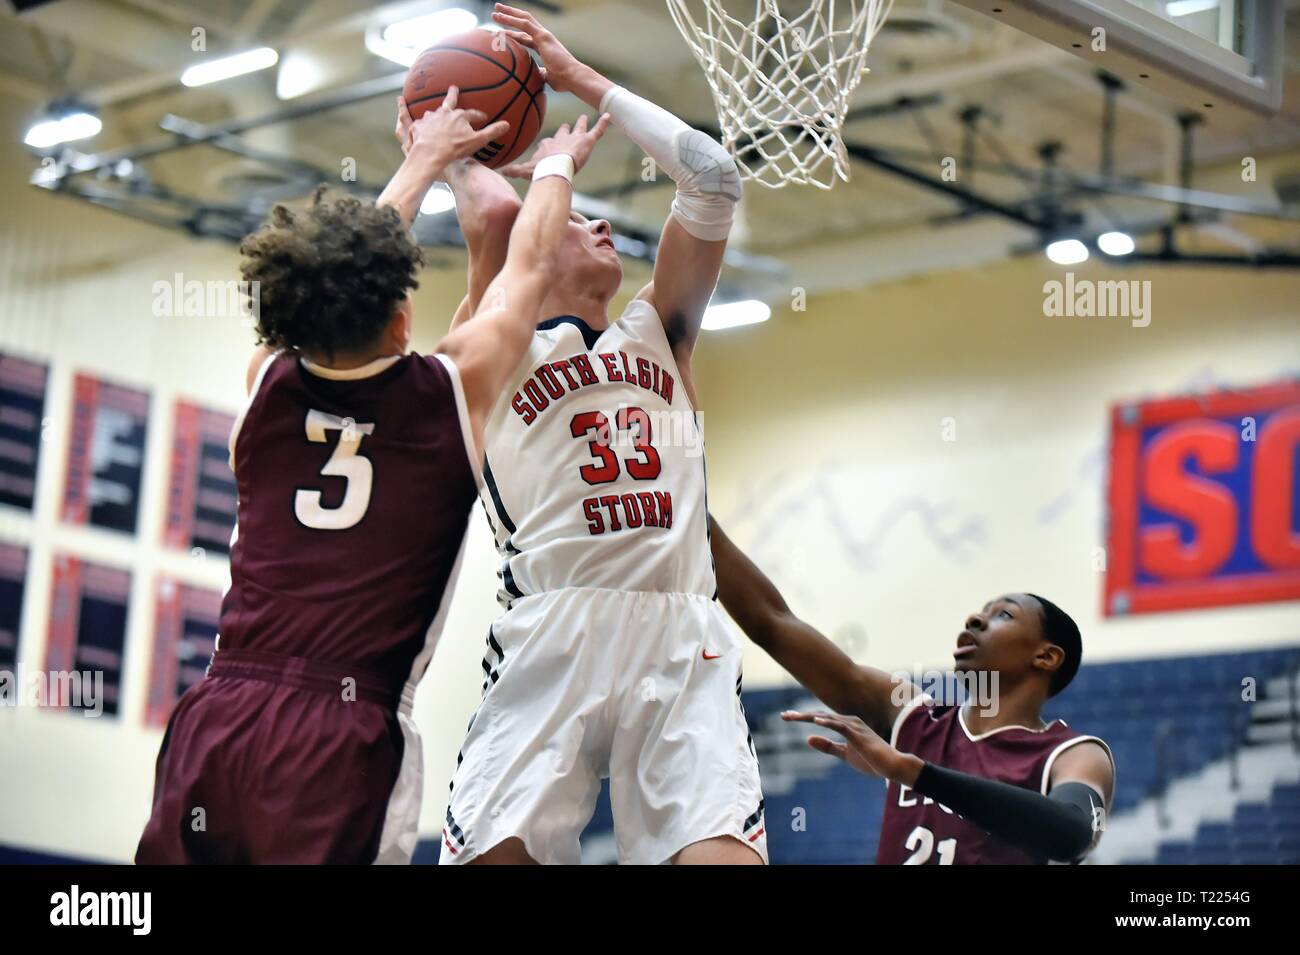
(274,759)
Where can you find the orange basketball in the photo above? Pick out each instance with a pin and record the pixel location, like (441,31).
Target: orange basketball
(495,74)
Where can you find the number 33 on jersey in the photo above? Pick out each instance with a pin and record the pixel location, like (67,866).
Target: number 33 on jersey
(594,473)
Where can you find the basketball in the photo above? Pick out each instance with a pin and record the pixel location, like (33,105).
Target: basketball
(495,74)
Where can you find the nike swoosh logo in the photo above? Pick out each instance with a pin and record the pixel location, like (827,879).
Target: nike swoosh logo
(709,656)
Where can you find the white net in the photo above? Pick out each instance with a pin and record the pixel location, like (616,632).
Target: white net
(782,80)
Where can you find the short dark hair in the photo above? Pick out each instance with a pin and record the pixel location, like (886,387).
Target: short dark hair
(329,276)
(1060,630)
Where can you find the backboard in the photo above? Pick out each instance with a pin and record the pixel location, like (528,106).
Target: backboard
(1202,54)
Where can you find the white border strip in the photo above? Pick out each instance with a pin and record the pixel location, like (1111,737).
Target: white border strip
(999,729)
(368,370)
(400,834)
(913,703)
(248,403)
(462,411)
(1047,767)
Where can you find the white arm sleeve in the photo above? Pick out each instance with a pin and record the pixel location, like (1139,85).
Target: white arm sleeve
(708,182)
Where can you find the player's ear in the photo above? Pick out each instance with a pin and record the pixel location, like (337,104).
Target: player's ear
(399,328)
(1049,657)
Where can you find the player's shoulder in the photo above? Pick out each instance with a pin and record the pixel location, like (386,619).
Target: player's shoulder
(1061,730)
(271,383)
(1063,738)
(436,367)
(919,713)
(642,304)
(641,312)
(270,369)
(428,381)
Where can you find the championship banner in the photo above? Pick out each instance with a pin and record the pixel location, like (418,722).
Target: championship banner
(13,574)
(22,409)
(105,455)
(201,496)
(1204,501)
(87,629)
(185,634)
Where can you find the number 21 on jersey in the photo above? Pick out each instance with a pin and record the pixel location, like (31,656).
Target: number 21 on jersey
(920,842)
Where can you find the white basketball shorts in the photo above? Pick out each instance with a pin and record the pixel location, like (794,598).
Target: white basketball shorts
(583,684)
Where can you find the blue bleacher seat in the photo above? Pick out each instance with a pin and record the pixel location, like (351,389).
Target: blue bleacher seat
(1196,699)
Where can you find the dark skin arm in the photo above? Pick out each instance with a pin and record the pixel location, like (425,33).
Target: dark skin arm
(1039,823)
(865,750)
(753,601)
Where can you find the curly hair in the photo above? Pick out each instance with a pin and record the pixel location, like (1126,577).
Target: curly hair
(330,276)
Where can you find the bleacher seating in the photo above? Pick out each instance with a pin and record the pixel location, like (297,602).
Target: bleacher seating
(1193,703)
(1265,833)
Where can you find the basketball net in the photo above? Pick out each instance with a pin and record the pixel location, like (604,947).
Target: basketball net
(782,83)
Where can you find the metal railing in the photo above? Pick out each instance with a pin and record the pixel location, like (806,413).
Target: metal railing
(1167,740)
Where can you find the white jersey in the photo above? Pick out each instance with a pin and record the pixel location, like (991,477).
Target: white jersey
(594,470)
(593,480)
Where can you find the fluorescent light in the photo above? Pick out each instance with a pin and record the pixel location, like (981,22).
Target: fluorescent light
(299,73)
(424,31)
(403,40)
(1067,252)
(438,199)
(1116,243)
(54,130)
(1185,8)
(734,314)
(214,71)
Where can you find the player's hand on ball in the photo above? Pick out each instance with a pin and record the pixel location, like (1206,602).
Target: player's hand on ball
(404,123)
(524,28)
(863,748)
(447,133)
(577,142)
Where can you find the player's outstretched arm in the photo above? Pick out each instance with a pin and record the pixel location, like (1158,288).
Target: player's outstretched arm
(691,247)
(758,607)
(486,207)
(487,349)
(438,138)
(431,143)
(1063,825)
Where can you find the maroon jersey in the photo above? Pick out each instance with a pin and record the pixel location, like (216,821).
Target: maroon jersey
(916,830)
(354,492)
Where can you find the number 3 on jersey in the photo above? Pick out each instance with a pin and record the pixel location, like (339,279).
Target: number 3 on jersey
(346,463)
(636,421)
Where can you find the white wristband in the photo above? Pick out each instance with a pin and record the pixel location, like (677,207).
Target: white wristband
(561,164)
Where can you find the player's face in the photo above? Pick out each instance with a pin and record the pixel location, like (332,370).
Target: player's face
(589,252)
(1004,635)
